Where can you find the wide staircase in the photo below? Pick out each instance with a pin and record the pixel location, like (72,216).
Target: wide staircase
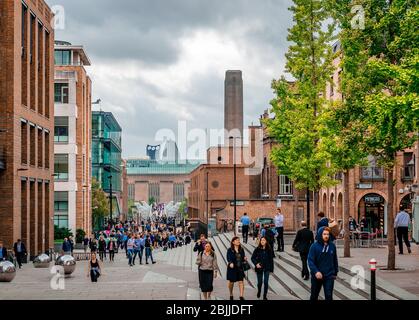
(286,280)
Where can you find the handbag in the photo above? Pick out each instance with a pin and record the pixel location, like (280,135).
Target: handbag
(246,266)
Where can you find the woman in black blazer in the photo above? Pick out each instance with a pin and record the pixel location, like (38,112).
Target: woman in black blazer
(236,257)
(263,260)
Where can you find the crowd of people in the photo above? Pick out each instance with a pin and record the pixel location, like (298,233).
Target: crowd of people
(135,239)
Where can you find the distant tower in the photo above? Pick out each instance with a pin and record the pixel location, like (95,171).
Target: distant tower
(233,104)
(152,152)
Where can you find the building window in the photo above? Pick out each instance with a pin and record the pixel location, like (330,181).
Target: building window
(61,209)
(46,137)
(131,191)
(61,129)
(61,167)
(32,145)
(62,57)
(40,153)
(408,172)
(285,185)
(178,192)
(332,87)
(61,93)
(24,142)
(372,171)
(154,192)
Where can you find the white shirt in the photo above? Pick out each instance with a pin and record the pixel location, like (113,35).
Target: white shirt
(402,219)
(279,220)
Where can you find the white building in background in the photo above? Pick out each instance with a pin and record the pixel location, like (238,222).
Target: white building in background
(72,138)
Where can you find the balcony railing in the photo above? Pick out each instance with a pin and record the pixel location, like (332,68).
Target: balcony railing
(407,173)
(372,173)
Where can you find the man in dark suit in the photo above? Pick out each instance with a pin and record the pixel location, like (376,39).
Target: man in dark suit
(302,243)
(20,252)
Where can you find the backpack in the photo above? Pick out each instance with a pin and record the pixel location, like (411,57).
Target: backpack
(269,235)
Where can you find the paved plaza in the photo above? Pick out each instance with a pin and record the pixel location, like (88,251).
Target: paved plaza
(175,277)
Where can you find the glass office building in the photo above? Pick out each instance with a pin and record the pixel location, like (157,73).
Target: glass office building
(106,155)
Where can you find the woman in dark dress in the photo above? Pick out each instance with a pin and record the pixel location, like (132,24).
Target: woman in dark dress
(235,260)
(102,248)
(207,268)
(263,260)
(94,268)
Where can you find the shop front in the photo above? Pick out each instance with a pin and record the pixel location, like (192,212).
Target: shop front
(374,208)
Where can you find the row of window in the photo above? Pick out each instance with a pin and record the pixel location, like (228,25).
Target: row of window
(36,146)
(61,209)
(32,28)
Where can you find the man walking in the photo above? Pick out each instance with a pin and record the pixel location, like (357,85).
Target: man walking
(302,243)
(279,226)
(401,224)
(66,247)
(245,220)
(323,263)
(20,252)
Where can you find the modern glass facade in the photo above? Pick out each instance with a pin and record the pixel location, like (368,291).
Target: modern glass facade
(106,153)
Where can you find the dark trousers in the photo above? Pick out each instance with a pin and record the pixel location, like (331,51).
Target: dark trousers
(148,254)
(245,233)
(102,254)
(111,255)
(19,257)
(93,276)
(130,253)
(403,235)
(304,272)
(280,238)
(316,286)
(263,277)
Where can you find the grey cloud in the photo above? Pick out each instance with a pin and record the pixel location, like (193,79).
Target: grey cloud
(147,33)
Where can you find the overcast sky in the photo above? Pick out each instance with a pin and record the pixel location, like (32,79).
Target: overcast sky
(155,62)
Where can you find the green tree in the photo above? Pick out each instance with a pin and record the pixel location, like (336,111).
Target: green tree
(381,83)
(100,203)
(151,201)
(298,105)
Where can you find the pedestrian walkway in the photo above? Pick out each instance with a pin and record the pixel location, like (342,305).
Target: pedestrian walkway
(175,277)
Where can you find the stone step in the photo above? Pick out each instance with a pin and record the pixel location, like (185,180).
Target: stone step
(345,276)
(292,266)
(288,284)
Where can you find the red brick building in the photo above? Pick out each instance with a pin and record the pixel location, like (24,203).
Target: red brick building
(26,124)
(368,185)
(212,185)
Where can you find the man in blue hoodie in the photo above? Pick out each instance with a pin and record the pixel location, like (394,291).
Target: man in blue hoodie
(323,264)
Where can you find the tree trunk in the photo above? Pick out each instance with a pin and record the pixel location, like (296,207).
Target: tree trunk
(391,261)
(316,203)
(296,200)
(346,240)
(308,207)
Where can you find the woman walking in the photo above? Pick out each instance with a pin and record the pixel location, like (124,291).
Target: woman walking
(207,268)
(102,248)
(94,268)
(111,248)
(263,260)
(236,258)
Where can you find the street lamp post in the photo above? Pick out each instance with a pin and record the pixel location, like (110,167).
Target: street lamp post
(235,183)
(207,206)
(110,199)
